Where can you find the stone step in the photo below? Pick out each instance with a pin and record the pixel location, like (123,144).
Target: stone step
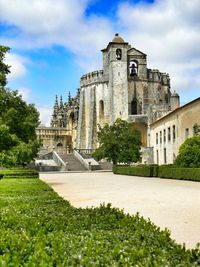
(73,164)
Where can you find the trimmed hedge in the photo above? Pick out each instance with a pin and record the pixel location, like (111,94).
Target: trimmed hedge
(38,228)
(192,174)
(19,173)
(164,171)
(141,170)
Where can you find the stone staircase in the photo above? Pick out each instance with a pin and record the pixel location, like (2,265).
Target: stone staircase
(73,164)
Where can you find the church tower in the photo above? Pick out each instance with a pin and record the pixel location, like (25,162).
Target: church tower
(115,68)
(124,89)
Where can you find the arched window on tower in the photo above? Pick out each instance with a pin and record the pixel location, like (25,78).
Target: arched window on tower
(134,107)
(133,68)
(101,110)
(118,54)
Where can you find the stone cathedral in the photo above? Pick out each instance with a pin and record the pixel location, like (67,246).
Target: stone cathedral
(125,88)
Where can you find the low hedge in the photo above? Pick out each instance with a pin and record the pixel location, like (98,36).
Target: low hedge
(179,173)
(38,228)
(164,171)
(19,173)
(141,170)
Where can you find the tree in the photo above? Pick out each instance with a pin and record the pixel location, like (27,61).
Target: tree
(189,153)
(196,129)
(119,143)
(4,68)
(18,120)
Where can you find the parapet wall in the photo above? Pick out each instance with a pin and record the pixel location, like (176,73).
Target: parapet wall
(157,76)
(92,77)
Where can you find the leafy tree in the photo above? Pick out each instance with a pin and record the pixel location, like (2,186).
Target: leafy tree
(189,153)
(196,129)
(119,143)
(18,120)
(4,68)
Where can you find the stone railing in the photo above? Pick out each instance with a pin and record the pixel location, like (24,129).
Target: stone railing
(89,162)
(50,162)
(58,160)
(85,152)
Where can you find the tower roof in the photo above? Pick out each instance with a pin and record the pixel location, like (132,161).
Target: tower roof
(117,39)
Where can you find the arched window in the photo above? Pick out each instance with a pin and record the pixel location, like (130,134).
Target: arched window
(133,68)
(118,54)
(134,107)
(101,110)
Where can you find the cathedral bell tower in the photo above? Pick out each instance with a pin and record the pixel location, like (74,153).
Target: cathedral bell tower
(116,69)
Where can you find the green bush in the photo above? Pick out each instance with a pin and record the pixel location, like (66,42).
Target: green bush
(179,173)
(141,170)
(189,153)
(163,171)
(39,228)
(19,173)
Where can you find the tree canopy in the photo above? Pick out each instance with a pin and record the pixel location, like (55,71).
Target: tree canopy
(18,120)
(4,68)
(189,153)
(119,143)
(196,129)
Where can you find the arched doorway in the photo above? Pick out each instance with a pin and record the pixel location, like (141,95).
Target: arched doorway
(134,107)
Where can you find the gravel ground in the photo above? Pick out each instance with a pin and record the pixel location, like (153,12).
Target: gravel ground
(168,203)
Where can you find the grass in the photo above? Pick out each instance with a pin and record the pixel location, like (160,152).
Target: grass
(39,228)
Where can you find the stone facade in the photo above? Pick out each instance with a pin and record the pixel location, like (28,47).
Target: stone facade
(61,135)
(53,138)
(169,132)
(125,89)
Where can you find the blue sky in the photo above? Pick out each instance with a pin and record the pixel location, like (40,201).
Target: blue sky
(55,42)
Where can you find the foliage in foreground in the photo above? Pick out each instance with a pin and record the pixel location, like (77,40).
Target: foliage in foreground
(189,153)
(38,228)
(119,142)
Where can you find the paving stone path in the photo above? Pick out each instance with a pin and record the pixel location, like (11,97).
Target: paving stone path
(168,203)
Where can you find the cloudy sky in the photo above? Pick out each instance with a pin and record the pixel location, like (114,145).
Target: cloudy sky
(55,42)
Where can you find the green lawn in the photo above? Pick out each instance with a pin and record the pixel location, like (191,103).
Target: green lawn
(39,228)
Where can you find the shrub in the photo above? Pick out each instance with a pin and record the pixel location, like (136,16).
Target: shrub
(141,170)
(179,173)
(39,228)
(163,171)
(19,173)
(189,153)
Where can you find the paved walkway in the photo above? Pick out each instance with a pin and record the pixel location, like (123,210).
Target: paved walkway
(168,203)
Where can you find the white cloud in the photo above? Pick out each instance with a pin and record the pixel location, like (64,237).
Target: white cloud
(45,114)
(45,23)
(25,93)
(41,17)
(169,33)
(17,66)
